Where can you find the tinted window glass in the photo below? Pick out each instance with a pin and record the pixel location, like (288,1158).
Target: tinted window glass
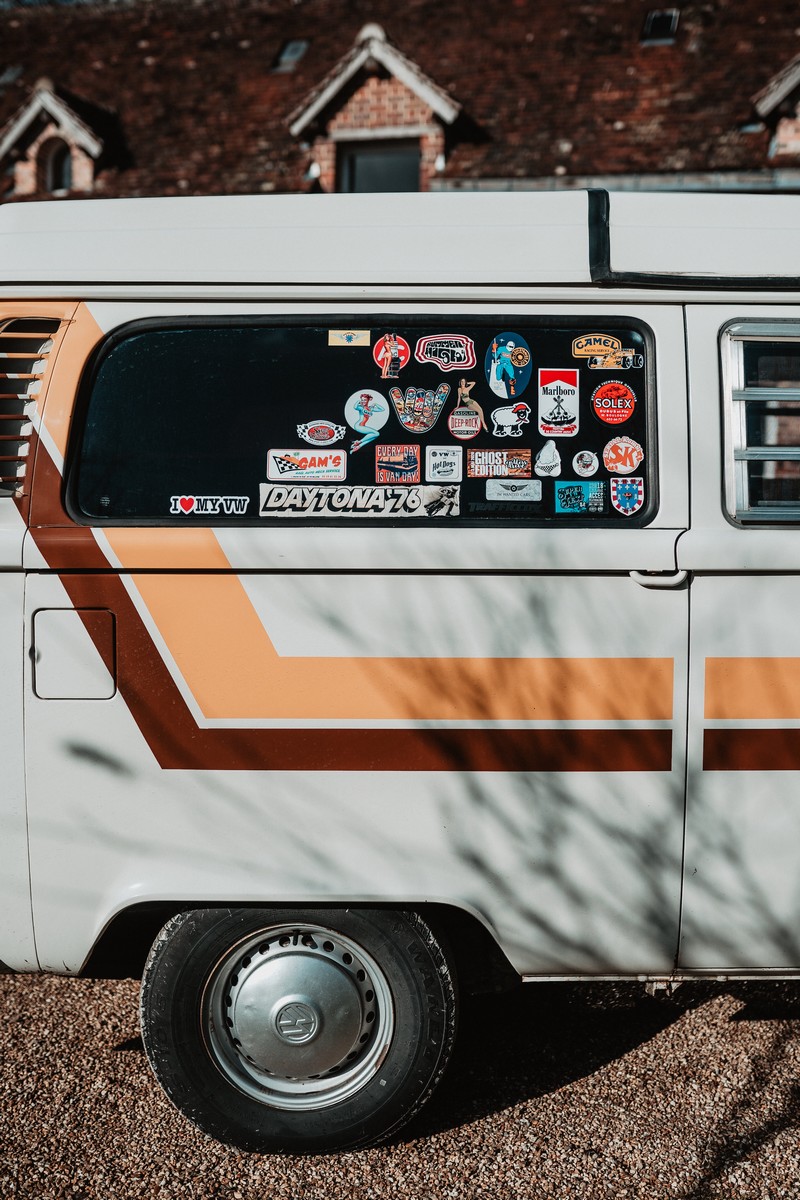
(514,421)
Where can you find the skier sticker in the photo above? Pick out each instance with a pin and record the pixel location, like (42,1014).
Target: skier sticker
(508,365)
(558,401)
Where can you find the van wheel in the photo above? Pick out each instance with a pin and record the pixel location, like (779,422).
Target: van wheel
(303,1031)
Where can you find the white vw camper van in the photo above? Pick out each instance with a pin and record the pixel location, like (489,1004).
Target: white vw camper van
(398,595)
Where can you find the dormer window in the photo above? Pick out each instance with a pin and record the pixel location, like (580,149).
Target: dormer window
(54,166)
(290,54)
(660,27)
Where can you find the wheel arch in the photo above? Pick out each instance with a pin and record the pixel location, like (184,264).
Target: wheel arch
(122,947)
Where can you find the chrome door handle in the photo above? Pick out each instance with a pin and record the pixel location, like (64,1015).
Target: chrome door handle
(659,579)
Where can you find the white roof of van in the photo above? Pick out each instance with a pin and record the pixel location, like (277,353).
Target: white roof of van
(505,238)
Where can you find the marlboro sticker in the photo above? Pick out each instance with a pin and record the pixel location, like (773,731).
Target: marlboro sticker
(558,401)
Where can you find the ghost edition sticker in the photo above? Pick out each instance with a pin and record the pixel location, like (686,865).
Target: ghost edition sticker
(449,351)
(577,498)
(508,365)
(368,501)
(397,464)
(492,464)
(299,464)
(418,409)
(558,402)
(613,402)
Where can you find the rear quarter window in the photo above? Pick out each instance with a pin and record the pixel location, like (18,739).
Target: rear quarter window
(503,420)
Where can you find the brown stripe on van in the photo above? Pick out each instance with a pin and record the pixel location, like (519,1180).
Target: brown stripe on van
(178,743)
(751,750)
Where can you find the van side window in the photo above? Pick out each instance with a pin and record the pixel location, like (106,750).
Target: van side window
(763,398)
(248,421)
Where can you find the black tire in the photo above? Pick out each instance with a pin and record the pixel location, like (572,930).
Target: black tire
(303,1031)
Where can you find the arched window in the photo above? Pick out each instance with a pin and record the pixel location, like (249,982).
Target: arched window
(55,166)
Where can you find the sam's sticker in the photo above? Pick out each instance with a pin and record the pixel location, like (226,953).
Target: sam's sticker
(577,498)
(443,464)
(391,353)
(348,337)
(558,402)
(299,464)
(321,433)
(208,506)
(397,464)
(585,463)
(491,464)
(520,492)
(622,455)
(613,402)
(367,412)
(627,495)
(368,501)
(448,351)
(418,409)
(508,365)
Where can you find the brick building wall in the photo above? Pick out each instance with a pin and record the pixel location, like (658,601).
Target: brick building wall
(380,109)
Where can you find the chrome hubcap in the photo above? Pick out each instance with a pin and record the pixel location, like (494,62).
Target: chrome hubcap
(298,1017)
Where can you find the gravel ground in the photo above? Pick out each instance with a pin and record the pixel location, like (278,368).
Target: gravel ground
(557,1091)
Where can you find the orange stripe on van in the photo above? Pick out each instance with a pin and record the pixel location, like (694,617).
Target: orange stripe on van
(752,689)
(232,669)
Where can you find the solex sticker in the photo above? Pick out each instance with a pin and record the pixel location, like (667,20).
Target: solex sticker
(613,402)
(328,465)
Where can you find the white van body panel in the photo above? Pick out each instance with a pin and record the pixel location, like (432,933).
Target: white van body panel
(575,871)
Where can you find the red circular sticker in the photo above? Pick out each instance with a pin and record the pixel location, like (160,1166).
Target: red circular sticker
(391,353)
(613,402)
(464,423)
(622,455)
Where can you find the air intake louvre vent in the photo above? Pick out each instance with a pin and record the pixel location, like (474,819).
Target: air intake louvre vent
(24,348)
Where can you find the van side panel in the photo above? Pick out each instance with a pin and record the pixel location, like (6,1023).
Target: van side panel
(16,928)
